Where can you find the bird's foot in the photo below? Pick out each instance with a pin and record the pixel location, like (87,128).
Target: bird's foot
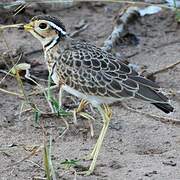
(79,110)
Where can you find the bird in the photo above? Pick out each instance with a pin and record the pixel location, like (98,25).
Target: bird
(92,74)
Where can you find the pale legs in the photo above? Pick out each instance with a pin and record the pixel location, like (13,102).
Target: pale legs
(106,114)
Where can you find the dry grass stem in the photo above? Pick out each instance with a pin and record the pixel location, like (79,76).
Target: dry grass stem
(11,68)
(35,150)
(10,26)
(166,120)
(171,66)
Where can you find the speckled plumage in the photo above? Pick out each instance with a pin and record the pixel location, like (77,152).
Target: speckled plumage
(89,72)
(94,72)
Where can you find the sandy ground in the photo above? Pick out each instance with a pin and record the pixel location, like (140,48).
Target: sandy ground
(136,146)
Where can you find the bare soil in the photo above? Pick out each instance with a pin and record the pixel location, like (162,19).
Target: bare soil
(136,146)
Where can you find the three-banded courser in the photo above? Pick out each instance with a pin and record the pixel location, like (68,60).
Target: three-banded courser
(92,74)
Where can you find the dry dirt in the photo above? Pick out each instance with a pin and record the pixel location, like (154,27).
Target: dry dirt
(136,146)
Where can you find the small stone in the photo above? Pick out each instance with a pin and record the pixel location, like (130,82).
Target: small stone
(169,163)
(149,174)
(115,165)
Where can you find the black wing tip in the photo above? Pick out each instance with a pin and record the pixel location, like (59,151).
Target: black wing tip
(165,107)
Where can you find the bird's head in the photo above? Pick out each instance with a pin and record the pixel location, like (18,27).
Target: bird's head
(47,29)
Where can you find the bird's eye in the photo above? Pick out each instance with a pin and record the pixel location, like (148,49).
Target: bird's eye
(43,26)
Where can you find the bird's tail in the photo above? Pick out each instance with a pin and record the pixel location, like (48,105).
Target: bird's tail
(165,107)
(155,97)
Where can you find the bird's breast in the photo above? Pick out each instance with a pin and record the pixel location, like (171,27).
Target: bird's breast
(52,67)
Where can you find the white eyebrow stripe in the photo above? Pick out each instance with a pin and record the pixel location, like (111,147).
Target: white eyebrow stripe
(57,27)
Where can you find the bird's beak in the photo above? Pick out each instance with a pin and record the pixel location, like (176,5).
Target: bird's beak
(28,27)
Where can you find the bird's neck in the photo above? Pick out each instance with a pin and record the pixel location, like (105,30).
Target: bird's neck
(54,53)
(51,56)
(50,43)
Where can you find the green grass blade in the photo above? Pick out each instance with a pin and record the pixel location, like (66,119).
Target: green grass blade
(46,163)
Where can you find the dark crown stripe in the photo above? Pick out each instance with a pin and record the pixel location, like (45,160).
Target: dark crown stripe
(54,20)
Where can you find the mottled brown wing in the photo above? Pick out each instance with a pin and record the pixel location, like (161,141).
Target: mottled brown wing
(96,72)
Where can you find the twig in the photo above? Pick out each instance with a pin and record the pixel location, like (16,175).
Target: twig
(38,178)
(10,26)
(7,46)
(11,68)
(75,33)
(5,147)
(165,120)
(24,111)
(63,132)
(135,3)
(7,73)
(35,164)
(33,52)
(39,79)
(25,158)
(164,69)
(166,44)
(20,8)
(11,5)
(21,109)
(32,76)
(91,128)
(120,29)
(11,93)
(42,90)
